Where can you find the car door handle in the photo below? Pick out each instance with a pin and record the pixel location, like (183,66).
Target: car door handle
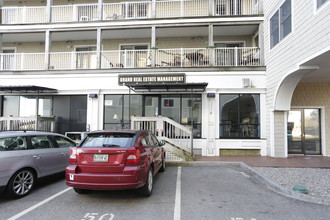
(37,156)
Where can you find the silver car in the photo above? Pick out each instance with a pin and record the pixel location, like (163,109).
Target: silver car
(28,155)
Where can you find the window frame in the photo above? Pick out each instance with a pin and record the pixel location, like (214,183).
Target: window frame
(253,126)
(280,27)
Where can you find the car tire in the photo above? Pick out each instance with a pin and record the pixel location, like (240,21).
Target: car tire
(81,191)
(163,167)
(20,184)
(146,190)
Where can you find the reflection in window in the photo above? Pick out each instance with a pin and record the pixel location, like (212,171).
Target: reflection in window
(239,116)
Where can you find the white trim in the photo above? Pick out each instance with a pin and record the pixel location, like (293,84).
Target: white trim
(317,10)
(322,128)
(279,25)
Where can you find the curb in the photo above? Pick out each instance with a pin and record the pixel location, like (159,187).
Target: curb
(270,183)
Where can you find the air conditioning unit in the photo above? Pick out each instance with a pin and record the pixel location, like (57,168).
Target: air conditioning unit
(246,82)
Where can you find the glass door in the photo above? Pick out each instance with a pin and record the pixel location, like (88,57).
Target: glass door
(304,133)
(151,106)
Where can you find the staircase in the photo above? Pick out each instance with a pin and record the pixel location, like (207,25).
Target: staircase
(178,138)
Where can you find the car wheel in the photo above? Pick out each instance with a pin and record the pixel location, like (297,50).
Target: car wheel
(81,191)
(163,167)
(146,190)
(20,184)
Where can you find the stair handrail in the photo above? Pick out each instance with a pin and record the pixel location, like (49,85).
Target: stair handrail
(166,128)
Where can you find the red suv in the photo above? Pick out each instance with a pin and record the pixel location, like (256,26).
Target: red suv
(110,160)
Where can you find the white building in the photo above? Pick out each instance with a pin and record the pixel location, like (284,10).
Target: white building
(239,72)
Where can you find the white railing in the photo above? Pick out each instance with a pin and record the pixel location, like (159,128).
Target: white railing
(236,7)
(126,59)
(24,15)
(27,123)
(237,56)
(22,61)
(165,128)
(129,10)
(182,57)
(159,58)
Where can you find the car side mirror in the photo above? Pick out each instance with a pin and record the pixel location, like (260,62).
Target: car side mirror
(162,143)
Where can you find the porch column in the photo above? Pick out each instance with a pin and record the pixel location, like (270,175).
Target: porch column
(152,55)
(94,111)
(49,11)
(278,140)
(153,9)
(98,48)
(261,44)
(211,45)
(100,9)
(47,49)
(211,7)
(1,37)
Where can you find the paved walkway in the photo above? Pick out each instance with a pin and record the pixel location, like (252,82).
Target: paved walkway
(258,161)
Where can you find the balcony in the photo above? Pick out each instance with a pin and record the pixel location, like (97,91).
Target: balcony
(127,10)
(151,58)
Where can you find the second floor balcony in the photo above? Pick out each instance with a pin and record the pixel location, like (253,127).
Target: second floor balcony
(121,10)
(148,58)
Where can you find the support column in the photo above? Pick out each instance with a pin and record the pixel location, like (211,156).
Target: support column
(152,55)
(261,44)
(98,48)
(47,49)
(100,10)
(93,102)
(211,45)
(153,9)
(279,134)
(49,11)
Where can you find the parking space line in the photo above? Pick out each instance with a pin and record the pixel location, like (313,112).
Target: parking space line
(39,204)
(177,205)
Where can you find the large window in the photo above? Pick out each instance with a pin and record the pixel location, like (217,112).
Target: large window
(280,23)
(25,106)
(239,115)
(184,109)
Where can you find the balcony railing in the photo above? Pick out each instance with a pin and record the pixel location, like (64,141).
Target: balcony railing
(152,58)
(129,10)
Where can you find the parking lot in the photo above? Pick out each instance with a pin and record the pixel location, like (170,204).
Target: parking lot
(189,192)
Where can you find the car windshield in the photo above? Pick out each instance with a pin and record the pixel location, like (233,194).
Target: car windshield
(122,140)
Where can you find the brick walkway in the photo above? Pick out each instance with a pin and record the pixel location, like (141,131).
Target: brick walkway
(258,161)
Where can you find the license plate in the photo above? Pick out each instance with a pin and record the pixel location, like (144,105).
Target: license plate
(100,157)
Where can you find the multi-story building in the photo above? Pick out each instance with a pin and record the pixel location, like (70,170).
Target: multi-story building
(297,54)
(200,64)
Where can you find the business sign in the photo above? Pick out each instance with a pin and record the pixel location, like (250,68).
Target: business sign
(151,79)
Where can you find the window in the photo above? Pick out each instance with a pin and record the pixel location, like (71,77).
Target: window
(41,142)
(239,115)
(168,102)
(25,106)
(280,23)
(13,143)
(63,142)
(319,3)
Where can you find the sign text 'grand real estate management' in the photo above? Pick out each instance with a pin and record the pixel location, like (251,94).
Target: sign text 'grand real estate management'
(151,79)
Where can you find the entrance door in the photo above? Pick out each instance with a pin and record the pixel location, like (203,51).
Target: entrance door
(304,133)
(151,106)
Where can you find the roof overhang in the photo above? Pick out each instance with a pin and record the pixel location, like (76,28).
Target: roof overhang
(168,87)
(26,89)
